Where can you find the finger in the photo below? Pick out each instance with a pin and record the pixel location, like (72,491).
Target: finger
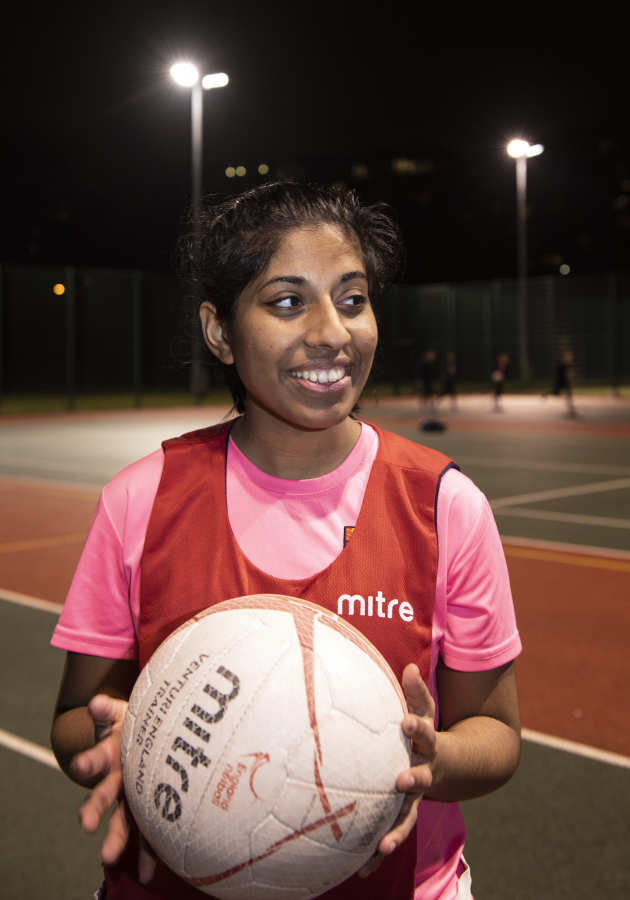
(402,827)
(421,732)
(100,801)
(415,781)
(116,837)
(147,862)
(95,761)
(107,712)
(419,699)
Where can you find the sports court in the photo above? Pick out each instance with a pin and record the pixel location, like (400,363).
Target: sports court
(560,489)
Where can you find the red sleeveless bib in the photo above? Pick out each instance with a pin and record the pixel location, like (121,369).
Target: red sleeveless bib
(191,560)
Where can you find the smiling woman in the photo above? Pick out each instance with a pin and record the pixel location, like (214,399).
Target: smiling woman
(237,238)
(302,344)
(295,495)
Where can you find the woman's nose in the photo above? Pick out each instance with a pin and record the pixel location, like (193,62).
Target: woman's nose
(326,326)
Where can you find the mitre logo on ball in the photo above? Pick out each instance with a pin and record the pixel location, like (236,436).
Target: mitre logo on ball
(261,747)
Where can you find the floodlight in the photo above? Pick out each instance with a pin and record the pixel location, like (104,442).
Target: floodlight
(519,148)
(185,74)
(216,80)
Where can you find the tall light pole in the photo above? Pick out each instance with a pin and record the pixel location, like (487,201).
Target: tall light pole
(521,151)
(187,75)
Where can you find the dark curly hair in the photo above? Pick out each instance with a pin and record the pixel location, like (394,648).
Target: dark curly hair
(233,239)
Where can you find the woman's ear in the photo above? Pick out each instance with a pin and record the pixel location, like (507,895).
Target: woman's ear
(215,333)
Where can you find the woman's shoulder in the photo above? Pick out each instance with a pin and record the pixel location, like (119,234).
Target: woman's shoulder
(137,481)
(405,453)
(463,504)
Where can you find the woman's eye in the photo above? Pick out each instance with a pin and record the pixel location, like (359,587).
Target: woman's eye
(290,302)
(354,300)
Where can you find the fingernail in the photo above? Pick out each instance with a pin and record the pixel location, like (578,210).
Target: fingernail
(407,782)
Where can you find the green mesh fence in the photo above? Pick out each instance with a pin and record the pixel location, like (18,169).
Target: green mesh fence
(124,331)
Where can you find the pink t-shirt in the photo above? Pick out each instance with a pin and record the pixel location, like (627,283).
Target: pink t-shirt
(474,627)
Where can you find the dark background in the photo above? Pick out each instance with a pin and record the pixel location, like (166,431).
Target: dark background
(97,136)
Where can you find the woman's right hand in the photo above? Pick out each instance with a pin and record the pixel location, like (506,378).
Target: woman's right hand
(101,766)
(102,763)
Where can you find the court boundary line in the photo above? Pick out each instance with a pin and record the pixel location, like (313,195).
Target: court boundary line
(24,747)
(578,490)
(494,462)
(544,515)
(564,546)
(575,748)
(31,602)
(43,755)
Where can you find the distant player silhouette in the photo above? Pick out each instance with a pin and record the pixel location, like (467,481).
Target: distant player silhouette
(449,380)
(563,381)
(499,375)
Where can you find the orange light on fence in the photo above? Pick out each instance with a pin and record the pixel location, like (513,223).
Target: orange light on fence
(59,289)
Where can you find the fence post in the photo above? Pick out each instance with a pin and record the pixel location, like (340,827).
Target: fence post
(70,309)
(136,330)
(615,333)
(451,318)
(550,283)
(1,336)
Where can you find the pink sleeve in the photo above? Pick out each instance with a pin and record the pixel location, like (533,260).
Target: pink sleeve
(100,615)
(479,625)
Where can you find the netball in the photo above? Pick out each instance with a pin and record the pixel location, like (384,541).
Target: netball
(261,747)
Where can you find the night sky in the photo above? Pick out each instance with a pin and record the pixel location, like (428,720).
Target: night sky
(97,137)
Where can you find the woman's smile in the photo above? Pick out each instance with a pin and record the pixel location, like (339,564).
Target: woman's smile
(324,377)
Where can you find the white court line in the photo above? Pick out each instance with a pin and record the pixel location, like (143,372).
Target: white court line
(32,602)
(573,518)
(543,466)
(28,748)
(561,546)
(46,757)
(577,490)
(548,740)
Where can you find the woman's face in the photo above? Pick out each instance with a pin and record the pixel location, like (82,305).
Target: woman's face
(303,333)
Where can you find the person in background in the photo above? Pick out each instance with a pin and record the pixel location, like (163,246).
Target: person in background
(563,382)
(449,380)
(498,377)
(427,379)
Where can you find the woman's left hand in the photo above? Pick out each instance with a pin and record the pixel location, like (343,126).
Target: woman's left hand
(418,726)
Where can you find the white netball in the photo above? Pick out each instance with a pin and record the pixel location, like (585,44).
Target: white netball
(261,748)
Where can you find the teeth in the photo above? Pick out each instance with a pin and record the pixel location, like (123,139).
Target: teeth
(320,376)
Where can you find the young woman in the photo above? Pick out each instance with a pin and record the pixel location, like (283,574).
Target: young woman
(296,495)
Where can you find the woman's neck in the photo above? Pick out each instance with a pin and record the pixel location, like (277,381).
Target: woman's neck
(284,451)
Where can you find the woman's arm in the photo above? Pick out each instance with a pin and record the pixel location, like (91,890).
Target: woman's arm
(478,744)
(476,750)
(85,737)
(74,728)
